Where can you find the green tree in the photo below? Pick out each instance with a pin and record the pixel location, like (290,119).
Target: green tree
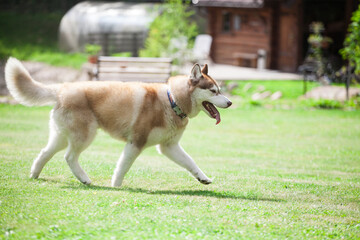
(173,23)
(351,50)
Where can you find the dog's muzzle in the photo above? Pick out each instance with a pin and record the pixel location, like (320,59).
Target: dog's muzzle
(219,101)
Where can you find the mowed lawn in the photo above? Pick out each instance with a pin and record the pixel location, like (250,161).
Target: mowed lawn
(277,174)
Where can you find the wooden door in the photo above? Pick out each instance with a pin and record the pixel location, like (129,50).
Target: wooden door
(288,44)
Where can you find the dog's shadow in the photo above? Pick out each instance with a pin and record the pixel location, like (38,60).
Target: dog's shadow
(199,193)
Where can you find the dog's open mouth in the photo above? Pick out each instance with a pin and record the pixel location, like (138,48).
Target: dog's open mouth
(214,113)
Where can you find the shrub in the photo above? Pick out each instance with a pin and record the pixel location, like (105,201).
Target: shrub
(172,23)
(352,104)
(325,104)
(122,54)
(92,49)
(351,50)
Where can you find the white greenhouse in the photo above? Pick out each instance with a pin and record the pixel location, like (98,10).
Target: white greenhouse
(116,26)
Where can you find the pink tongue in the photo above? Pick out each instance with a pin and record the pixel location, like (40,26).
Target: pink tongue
(218,120)
(213,111)
(216,113)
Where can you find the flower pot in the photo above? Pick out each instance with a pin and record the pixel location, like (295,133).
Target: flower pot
(92,59)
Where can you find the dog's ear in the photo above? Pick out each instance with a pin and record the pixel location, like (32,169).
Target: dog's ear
(205,69)
(196,72)
(195,75)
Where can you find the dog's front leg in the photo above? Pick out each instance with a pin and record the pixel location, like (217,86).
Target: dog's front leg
(179,156)
(127,158)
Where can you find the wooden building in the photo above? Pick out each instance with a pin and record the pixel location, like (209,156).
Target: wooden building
(278,28)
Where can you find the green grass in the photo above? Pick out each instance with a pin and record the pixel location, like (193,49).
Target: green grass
(278,174)
(290,89)
(292,92)
(35,37)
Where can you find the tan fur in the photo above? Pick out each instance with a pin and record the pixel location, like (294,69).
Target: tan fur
(151,116)
(27,91)
(138,113)
(182,92)
(111,106)
(207,82)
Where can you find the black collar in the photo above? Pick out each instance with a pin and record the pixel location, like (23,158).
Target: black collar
(175,107)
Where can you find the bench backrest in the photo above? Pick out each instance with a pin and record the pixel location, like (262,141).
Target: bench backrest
(133,69)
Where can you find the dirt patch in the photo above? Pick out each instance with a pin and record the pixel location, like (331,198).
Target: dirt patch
(332,93)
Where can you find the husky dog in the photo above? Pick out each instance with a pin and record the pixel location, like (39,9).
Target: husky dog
(142,114)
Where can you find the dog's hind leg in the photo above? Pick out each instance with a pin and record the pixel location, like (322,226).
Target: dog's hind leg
(179,156)
(81,131)
(56,143)
(78,142)
(72,158)
(127,158)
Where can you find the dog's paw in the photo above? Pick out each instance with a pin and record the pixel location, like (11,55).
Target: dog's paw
(86,182)
(34,175)
(205,181)
(116,184)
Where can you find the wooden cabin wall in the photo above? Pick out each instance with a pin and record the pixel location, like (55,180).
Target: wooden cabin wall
(279,27)
(288,37)
(254,34)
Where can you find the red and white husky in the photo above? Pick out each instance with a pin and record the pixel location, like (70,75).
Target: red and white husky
(142,114)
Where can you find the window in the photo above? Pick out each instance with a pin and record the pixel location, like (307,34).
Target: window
(237,23)
(226,22)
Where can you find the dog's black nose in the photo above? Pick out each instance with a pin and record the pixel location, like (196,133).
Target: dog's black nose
(229,103)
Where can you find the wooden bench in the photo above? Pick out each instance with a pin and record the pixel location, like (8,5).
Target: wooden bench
(132,69)
(246,59)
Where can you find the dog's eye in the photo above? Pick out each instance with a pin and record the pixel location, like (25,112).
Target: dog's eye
(212,90)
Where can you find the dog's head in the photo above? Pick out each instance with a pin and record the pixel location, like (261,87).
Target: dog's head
(206,92)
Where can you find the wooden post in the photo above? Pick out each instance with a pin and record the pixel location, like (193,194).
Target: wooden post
(135,46)
(347,82)
(305,82)
(106,44)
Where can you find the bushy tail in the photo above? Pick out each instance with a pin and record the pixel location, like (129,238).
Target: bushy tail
(25,89)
